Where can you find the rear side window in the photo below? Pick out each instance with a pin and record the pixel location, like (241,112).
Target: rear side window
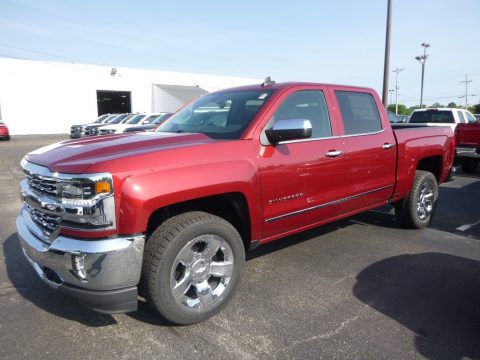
(460,116)
(432,116)
(470,117)
(359,112)
(309,105)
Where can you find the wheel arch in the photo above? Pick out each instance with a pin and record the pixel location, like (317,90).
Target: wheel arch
(232,207)
(431,164)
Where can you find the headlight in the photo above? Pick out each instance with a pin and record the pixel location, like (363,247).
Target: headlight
(78,202)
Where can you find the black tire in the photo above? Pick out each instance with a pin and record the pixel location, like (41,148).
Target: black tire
(162,252)
(468,164)
(408,213)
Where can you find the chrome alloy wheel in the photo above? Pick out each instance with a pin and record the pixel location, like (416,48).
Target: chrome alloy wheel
(426,198)
(201,272)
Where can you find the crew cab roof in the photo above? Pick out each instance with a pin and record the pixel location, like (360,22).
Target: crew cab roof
(287,85)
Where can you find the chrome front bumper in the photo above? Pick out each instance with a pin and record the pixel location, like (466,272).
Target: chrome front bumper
(101,273)
(467,152)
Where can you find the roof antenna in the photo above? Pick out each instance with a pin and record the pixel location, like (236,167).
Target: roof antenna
(268,81)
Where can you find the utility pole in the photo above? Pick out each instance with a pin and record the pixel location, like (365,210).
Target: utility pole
(466,82)
(386,65)
(422,59)
(391,93)
(397,70)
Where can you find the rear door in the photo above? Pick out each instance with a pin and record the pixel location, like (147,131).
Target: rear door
(369,149)
(302,181)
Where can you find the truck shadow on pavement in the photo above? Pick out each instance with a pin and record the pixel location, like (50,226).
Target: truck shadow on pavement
(434,295)
(28,285)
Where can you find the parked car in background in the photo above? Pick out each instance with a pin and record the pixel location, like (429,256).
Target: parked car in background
(467,140)
(441,117)
(77,131)
(477,116)
(137,119)
(92,130)
(4,133)
(149,126)
(394,119)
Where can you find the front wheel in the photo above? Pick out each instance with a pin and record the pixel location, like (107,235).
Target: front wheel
(192,266)
(416,211)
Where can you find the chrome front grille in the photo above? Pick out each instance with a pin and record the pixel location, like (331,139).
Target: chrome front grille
(49,224)
(91,131)
(42,185)
(56,201)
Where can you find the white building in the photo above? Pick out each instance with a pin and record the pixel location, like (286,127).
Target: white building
(42,97)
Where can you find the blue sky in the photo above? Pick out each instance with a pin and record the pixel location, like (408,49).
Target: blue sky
(322,41)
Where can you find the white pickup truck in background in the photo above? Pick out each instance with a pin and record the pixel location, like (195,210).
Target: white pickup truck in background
(441,117)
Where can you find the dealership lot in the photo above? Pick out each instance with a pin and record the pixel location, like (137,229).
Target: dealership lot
(359,288)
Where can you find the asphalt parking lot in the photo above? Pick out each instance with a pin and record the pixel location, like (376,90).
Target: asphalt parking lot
(361,288)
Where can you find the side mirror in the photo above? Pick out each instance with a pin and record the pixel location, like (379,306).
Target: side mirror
(290,129)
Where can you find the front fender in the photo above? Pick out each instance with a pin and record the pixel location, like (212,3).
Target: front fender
(143,194)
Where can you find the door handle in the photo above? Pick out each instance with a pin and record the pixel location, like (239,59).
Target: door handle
(387,146)
(333,153)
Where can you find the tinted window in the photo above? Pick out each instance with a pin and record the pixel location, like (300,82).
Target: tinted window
(359,112)
(134,120)
(470,118)
(432,116)
(460,116)
(309,105)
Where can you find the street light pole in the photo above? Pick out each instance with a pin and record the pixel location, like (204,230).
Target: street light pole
(386,64)
(422,59)
(397,70)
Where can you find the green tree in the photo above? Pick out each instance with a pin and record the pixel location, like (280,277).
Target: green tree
(474,109)
(402,109)
(452,105)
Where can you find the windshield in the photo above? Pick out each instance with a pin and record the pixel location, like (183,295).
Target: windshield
(136,119)
(101,118)
(161,118)
(108,119)
(223,115)
(432,116)
(118,119)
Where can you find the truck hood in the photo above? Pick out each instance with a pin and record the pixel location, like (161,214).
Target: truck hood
(75,156)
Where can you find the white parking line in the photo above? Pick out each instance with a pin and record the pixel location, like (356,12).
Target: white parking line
(467,226)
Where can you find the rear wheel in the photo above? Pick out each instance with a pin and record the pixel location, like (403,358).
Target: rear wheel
(468,164)
(192,266)
(416,211)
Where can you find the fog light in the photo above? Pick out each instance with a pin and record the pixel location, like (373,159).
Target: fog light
(78,267)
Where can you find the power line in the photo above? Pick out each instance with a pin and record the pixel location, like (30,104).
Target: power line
(44,53)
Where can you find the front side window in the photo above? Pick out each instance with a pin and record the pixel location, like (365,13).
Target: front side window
(224,115)
(306,105)
(359,112)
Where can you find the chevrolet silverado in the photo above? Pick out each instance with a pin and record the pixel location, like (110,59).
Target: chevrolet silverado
(170,214)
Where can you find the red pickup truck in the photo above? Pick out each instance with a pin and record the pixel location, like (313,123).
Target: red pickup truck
(467,139)
(172,212)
